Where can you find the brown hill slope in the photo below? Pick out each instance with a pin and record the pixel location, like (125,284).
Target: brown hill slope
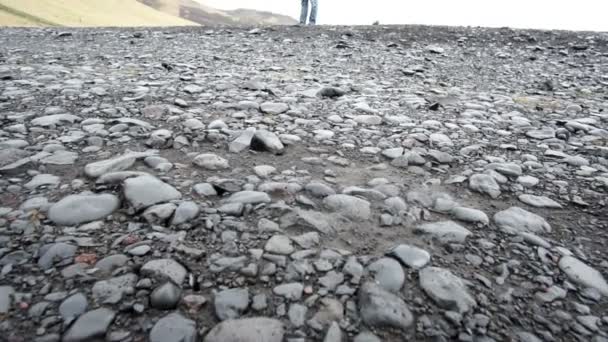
(205,15)
(84,13)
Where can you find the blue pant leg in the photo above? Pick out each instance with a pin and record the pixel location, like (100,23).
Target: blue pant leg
(304,13)
(313,11)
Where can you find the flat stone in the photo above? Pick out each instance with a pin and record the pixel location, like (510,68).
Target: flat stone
(231,303)
(289,291)
(551,294)
(174,328)
(541,134)
(507,169)
(165,268)
(204,189)
(112,290)
(73,306)
(484,184)
(445,231)
(42,180)
(307,240)
(446,289)
(392,153)
(13,160)
(118,177)
(368,119)
(120,163)
(331,310)
(515,220)
(210,161)
(334,333)
(264,171)
(535,239)
(396,205)
(441,157)
(249,197)
(349,206)
(92,325)
(111,262)
(6,294)
(319,189)
(185,212)
(259,302)
(440,140)
(366,337)
(274,108)
(380,308)
(56,253)
(470,215)
(54,120)
(279,244)
(255,329)
(297,314)
(145,191)
(582,274)
(528,181)
(243,141)
(76,209)
(331,280)
(194,124)
(387,273)
(527,337)
(411,256)
(266,140)
(539,201)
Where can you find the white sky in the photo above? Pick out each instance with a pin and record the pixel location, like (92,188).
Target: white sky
(543,14)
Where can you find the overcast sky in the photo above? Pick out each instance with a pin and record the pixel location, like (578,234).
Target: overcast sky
(544,14)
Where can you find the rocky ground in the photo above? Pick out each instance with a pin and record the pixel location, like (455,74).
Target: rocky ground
(303,184)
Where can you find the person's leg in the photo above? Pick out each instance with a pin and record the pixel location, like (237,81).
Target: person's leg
(313,11)
(304,13)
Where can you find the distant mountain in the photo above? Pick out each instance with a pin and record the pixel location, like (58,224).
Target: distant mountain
(82,13)
(205,15)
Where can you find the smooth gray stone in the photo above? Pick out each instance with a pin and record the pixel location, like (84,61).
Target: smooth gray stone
(388,273)
(166,296)
(145,191)
(446,289)
(73,306)
(411,256)
(120,163)
(349,206)
(59,252)
(76,209)
(445,231)
(165,268)
(6,294)
(174,328)
(90,326)
(256,329)
(380,308)
(516,220)
(231,303)
(583,274)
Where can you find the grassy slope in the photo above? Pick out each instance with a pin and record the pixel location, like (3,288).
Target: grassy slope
(84,13)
